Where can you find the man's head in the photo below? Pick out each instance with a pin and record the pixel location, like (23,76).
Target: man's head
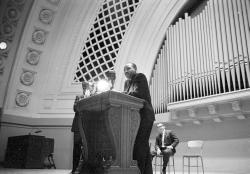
(161,127)
(130,70)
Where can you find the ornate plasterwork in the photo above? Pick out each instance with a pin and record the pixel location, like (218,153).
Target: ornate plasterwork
(1,64)
(22,98)
(33,56)
(46,16)
(134,125)
(19,1)
(115,124)
(8,26)
(39,36)
(27,77)
(12,13)
(54,2)
(7,29)
(4,56)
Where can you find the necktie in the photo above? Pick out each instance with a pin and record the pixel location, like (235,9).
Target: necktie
(162,139)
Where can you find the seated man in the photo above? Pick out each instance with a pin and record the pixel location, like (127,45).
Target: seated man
(165,144)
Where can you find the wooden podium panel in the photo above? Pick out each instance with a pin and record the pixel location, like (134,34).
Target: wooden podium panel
(110,122)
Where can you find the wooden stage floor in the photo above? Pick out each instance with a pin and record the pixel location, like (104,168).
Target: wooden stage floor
(63,171)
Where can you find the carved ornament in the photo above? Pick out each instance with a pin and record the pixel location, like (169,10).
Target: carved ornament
(39,36)
(22,98)
(27,77)
(46,16)
(33,56)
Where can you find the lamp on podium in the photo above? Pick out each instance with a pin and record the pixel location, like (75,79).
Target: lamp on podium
(111,77)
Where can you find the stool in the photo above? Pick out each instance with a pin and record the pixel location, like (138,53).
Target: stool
(158,162)
(189,158)
(195,148)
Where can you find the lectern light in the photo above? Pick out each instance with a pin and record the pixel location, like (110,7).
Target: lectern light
(102,86)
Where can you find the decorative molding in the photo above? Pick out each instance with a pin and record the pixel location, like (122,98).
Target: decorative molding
(2,59)
(115,124)
(241,117)
(19,2)
(133,127)
(8,29)
(12,13)
(54,2)
(191,113)
(179,124)
(39,36)
(173,115)
(236,106)
(3,56)
(27,77)
(33,56)
(217,120)
(219,98)
(22,98)
(211,109)
(197,122)
(46,16)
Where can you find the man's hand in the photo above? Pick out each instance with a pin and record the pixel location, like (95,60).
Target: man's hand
(170,147)
(158,152)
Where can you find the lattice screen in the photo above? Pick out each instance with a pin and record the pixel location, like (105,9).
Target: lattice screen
(102,45)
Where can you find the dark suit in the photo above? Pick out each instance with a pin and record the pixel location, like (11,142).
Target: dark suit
(138,87)
(77,138)
(170,139)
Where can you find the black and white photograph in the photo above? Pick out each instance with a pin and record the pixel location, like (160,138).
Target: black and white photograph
(124,86)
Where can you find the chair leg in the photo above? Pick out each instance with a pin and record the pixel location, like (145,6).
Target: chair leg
(183,164)
(197,165)
(202,165)
(188,165)
(161,163)
(173,165)
(169,165)
(154,165)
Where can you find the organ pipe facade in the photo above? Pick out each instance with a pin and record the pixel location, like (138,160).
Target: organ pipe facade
(204,55)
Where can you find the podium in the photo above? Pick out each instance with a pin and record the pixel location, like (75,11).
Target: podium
(110,122)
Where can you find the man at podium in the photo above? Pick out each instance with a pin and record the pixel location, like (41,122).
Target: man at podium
(136,85)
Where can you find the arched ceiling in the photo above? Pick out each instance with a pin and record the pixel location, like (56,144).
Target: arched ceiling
(45,47)
(44,39)
(145,35)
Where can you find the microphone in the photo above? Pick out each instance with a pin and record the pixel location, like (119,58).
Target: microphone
(35,130)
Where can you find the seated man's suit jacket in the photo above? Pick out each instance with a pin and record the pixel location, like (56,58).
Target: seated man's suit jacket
(169,139)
